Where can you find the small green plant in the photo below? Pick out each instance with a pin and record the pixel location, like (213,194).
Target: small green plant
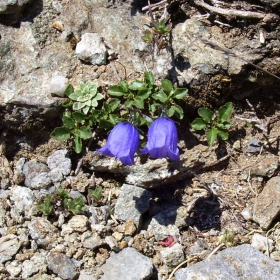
(157,35)
(215,125)
(45,206)
(62,198)
(96,194)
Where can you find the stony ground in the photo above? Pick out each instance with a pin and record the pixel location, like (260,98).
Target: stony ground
(154,216)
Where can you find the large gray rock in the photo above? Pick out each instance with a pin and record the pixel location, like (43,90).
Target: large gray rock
(155,173)
(60,161)
(132,203)
(267,203)
(127,265)
(239,263)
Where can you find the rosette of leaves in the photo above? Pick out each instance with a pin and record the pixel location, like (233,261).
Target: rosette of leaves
(143,97)
(215,125)
(77,120)
(84,97)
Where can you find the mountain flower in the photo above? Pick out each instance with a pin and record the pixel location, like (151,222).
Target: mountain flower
(122,143)
(162,140)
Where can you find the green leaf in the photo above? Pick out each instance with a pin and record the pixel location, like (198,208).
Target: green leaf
(167,86)
(128,103)
(78,105)
(74,96)
(116,91)
(144,94)
(77,144)
(224,125)
(85,133)
(179,93)
(137,85)
(211,135)
(106,124)
(68,122)
(94,103)
(98,96)
(138,102)
(225,111)
(96,194)
(198,124)
(161,96)
(171,111)
(61,133)
(86,109)
(223,134)
(78,117)
(113,104)
(179,113)
(206,114)
(69,90)
(114,119)
(149,78)
(124,86)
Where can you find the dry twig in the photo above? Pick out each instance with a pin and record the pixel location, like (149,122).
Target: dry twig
(236,13)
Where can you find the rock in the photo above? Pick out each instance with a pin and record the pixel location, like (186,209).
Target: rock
(246,214)
(162,231)
(57,86)
(155,173)
(272,3)
(267,203)
(91,49)
(9,245)
(86,275)
(31,169)
(254,146)
(14,268)
(60,160)
(91,240)
(262,243)
(11,10)
(127,265)
(18,176)
(41,181)
(36,264)
(112,242)
(43,232)
(61,265)
(12,6)
(132,203)
(23,199)
(2,217)
(266,167)
(78,223)
(238,263)
(172,256)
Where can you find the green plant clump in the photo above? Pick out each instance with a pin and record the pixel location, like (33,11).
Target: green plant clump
(215,125)
(63,198)
(96,194)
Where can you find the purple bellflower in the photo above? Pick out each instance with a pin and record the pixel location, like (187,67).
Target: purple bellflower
(162,140)
(122,143)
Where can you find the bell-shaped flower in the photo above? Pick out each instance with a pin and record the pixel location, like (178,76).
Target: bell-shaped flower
(162,139)
(122,143)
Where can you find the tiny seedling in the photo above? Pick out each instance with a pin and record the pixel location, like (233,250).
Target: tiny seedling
(96,194)
(215,125)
